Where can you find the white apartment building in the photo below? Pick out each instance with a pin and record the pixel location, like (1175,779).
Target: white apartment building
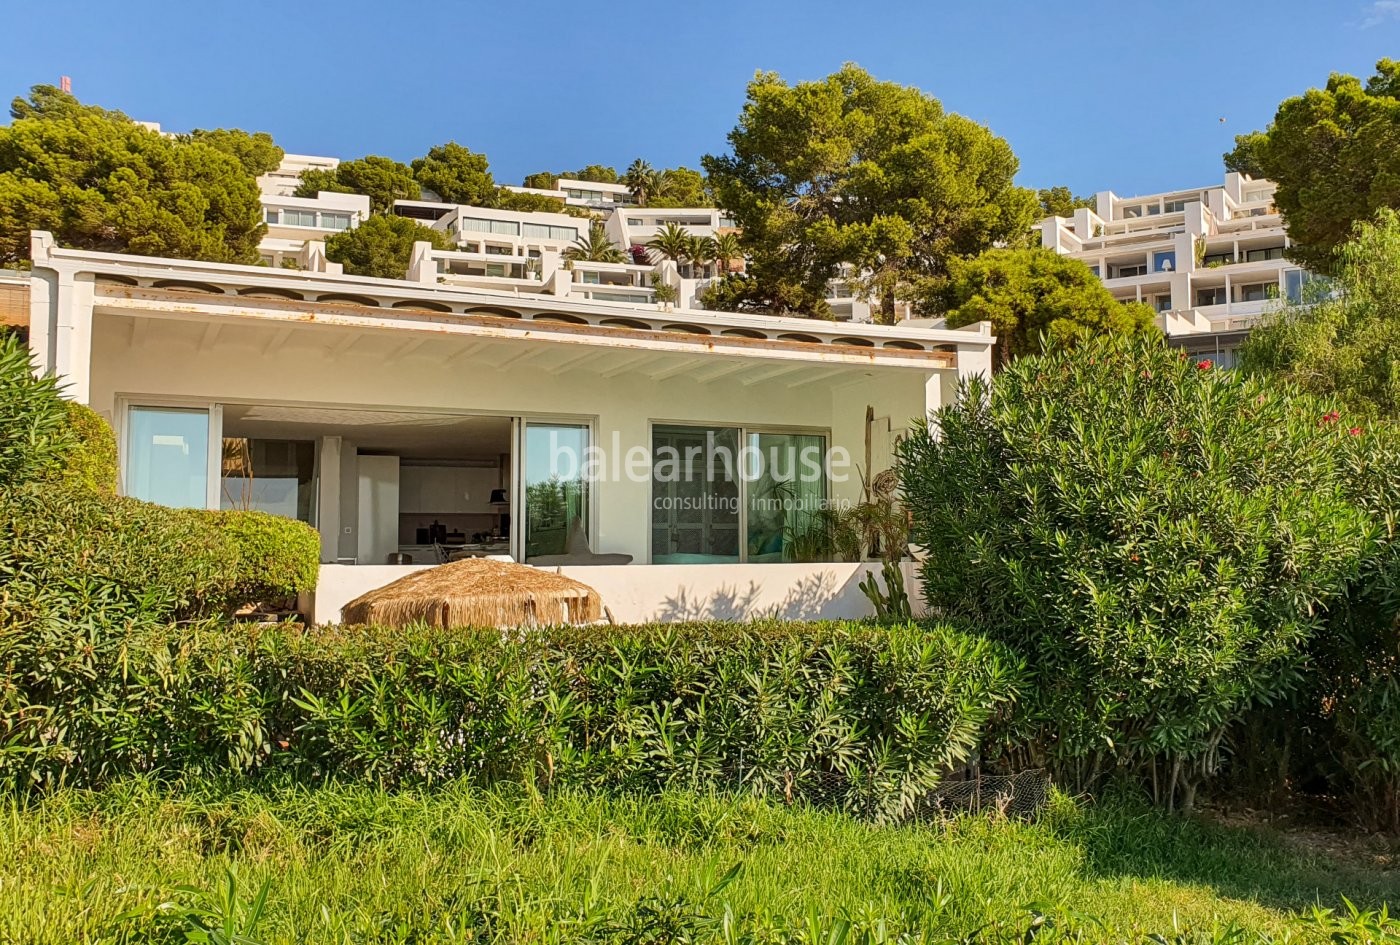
(1209,260)
(590,194)
(298,226)
(283,181)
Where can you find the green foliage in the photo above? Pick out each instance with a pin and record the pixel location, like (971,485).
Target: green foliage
(862,717)
(595,173)
(275,556)
(1035,296)
(91,461)
(1061,202)
(530,203)
(874,175)
(35,437)
(341,864)
(257,152)
(382,246)
(672,242)
(1155,537)
(736,292)
(595,247)
(98,180)
(456,174)
(1335,155)
(543,180)
(382,179)
(681,187)
(1343,338)
(891,602)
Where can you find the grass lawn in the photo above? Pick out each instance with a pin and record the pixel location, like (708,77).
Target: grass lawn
(351,864)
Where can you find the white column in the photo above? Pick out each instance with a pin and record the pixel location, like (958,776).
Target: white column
(328,496)
(73,335)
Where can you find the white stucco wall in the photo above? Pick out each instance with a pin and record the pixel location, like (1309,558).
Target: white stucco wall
(667,593)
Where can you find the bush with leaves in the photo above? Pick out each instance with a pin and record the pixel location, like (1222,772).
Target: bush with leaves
(859,716)
(1155,537)
(35,435)
(382,246)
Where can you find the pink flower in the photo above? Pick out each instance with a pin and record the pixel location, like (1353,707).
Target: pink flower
(1205,365)
(1331,416)
(1355,431)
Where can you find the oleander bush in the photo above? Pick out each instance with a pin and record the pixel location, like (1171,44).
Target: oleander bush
(1158,540)
(856,716)
(275,557)
(35,435)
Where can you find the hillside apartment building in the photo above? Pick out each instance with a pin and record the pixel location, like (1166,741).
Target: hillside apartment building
(1210,260)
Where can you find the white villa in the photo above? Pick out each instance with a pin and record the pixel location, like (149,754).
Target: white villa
(399,417)
(1210,260)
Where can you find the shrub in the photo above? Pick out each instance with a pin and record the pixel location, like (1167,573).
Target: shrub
(91,461)
(34,433)
(867,718)
(1155,537)
(276,557)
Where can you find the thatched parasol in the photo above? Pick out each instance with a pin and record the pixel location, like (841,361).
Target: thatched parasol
(477,592)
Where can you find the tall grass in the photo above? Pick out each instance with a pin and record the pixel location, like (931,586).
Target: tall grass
(137,863)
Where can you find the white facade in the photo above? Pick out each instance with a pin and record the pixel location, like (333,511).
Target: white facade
(283,181)
(1209,260)
(583,193)
(373,402)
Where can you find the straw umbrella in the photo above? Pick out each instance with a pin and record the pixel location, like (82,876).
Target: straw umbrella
(477,592)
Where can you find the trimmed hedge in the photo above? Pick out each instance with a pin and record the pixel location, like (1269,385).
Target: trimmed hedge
(91,462)
(114,560)
(863,717)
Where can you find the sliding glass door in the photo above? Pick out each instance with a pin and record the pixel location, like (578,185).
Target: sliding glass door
(713,502)
(556,494)
(695,508)
(168,456)
(785,483)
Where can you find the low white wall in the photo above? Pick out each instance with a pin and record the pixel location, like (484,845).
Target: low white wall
(666,593)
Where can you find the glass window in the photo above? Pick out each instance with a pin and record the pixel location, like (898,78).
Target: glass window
(1164,262)
(299,217)
(1258,292)
(1211,296)
(695,495)
(270,216)
(1299,285)
(167,456)
(1123,272)
(1162,303)
(1153,210)
(335,221)
(1174,206)
(1259,255)
(276,476)
(592,278)
(556,487)
(479,225)
(1217,259)
(785,480)
(496,269)
(1131,213)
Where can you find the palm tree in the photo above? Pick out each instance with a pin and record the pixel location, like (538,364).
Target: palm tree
(672,242)
(702,250)
(726,248)
(641,178)
(596,247)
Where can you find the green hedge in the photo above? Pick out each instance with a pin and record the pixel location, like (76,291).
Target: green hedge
(113,560)
(864,717)
(91,462)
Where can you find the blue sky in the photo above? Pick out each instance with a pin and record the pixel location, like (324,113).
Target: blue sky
(1123,95)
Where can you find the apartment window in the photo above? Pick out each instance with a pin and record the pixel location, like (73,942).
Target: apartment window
(556,486)
(617,297)
(335,221)
(1174,206)
(1131,213)
(270,216)
(590,278)
(299,217)
(1162,303)
(499,250)
(634,221)
(786,493)
(276,476)
(1153,210)
(1257,291)
(167,456)
(1164,261)
(1299,285)
(729,222)
(559,234)
(1123,272)
(497,270)
(1259,255)
(480,225)
(1094,270)
(1212,296)
(1218,259)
